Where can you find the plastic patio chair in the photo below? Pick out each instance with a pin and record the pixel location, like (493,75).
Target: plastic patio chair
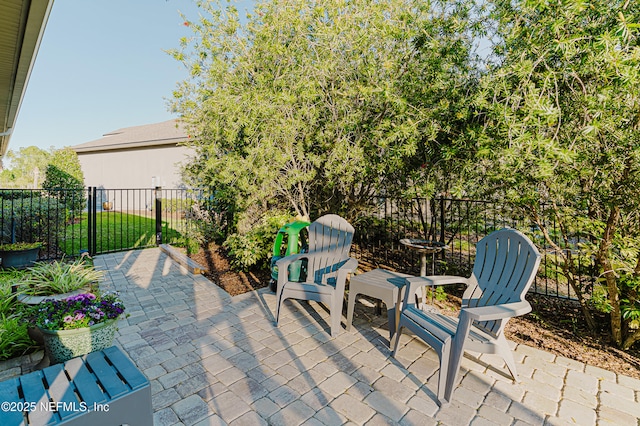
(328,266)
(505,267)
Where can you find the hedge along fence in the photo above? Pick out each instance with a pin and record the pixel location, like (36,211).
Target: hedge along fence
(31,216)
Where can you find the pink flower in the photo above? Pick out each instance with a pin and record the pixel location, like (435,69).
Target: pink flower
(68,319)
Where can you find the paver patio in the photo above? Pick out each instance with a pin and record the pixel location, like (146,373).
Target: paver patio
(216,359)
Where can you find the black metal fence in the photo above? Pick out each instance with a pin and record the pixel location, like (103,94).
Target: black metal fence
(459,224)
(100,220)
(96,220)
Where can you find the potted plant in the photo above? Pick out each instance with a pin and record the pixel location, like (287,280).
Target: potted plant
(57,280)
(77,325)
(19,255)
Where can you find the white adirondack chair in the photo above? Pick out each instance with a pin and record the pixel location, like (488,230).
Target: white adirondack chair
(327,268)
(505,267)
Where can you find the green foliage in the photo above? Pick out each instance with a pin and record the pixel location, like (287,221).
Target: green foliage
(16,194)
(24,168)
(255,246)
(114,231)
(175,205)
(316,106)
(28,219)
(561,105)
(7,298)
(64,180)
(14,340)
(19,246)
(58,277)
(438,294)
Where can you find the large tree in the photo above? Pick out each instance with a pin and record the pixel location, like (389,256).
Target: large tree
(318,105)
(64,180)
(562,106)
(24,168)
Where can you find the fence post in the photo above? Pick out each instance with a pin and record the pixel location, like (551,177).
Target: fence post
(442,221)
(158,215)
(89,220)
(94,219)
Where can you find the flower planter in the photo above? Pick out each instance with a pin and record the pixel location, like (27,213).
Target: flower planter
(19,259)
(34,300)
(62,345)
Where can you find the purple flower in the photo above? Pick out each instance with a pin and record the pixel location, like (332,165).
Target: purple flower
(77,311)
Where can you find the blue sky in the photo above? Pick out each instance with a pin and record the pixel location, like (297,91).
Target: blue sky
(102,66)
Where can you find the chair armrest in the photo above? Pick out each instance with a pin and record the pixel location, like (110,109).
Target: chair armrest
(341,279)
(286,261)
(414,283)
(434,280)
(350,266)
(495,312)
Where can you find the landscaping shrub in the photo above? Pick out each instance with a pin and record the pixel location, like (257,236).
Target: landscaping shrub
(58,277)
(64,180)
(14,339)
(175,205)
(7,299)
(16,194)
(254,247)
(31,219)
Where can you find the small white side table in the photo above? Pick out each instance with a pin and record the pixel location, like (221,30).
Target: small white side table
(381,284)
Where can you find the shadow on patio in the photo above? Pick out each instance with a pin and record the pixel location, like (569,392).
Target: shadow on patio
(216,359)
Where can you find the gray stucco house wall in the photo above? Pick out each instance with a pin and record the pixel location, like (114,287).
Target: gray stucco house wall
(135,157)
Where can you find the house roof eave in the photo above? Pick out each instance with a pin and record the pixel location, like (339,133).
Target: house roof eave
(23,23)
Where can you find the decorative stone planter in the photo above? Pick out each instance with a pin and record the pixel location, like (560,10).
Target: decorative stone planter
(62,345)
(19,259)
(34,300)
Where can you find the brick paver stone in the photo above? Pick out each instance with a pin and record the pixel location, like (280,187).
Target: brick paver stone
(383,403)
(577,413)
(354,410)
(213,359)
(191,409)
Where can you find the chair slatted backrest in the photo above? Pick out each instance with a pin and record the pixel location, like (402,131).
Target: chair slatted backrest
(329,234)
(504,269)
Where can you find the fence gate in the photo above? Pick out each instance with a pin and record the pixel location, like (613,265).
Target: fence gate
(124,219)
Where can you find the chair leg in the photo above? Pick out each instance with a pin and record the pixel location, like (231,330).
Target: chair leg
(336,318)
(457,352)
(391,320)
(503,349)
(397,340)
(351,304)
(443,396)
(278,303)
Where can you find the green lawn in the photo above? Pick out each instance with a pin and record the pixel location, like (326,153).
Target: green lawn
(115,231)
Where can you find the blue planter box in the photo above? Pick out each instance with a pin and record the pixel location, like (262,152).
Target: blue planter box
(19,259)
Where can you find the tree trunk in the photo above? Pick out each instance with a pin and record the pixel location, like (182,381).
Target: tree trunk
(567,266)
(630,340)
(610,275)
